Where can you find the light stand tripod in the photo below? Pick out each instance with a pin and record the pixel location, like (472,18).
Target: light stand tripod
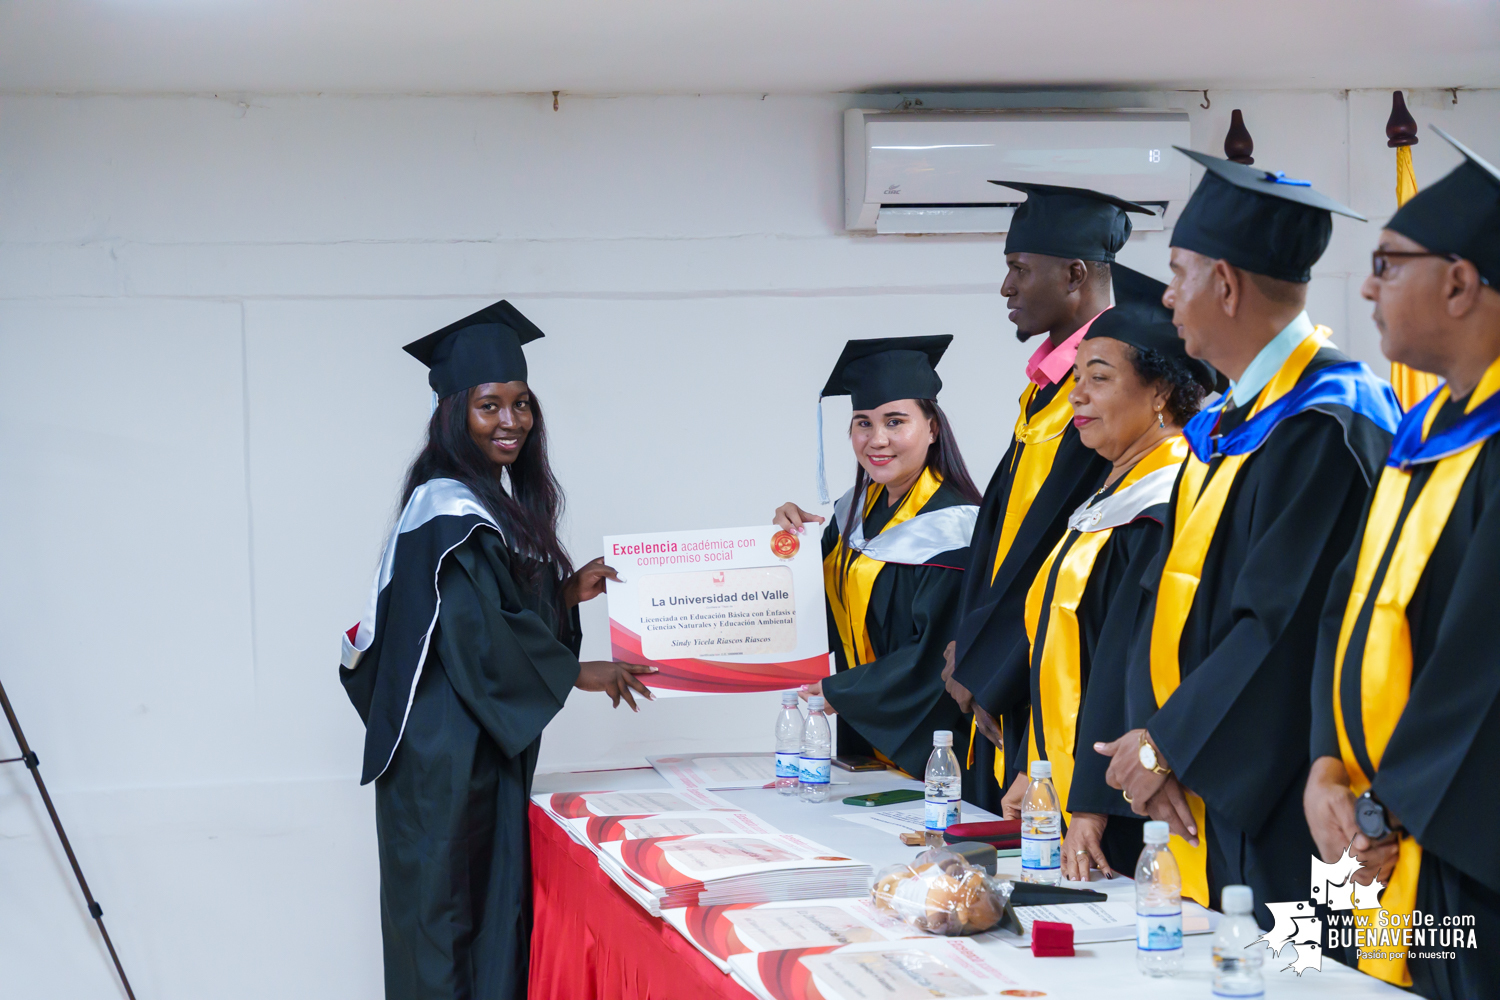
(29,758)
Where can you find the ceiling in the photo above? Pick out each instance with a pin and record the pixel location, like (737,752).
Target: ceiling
(717,46)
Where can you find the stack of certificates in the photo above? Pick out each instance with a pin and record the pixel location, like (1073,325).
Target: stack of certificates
(719,869)
(931,967)
(565,807)
(721,932)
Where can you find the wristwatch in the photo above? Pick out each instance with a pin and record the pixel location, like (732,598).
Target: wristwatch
(1371,818)
(1148,757)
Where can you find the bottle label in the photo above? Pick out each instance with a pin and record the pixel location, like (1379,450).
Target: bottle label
(941,814)
(1041,853)
(814,770)
(1158,931)
(787,765)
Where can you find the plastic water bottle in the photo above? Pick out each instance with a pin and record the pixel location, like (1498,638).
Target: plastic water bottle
(944,787)
(817,751)
(1158,906)
(788,744)
(1041,828)
(1237,955)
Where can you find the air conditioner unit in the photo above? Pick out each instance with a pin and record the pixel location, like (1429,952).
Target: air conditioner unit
(919,172)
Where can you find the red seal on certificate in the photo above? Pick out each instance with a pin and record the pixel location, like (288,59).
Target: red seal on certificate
(784,544)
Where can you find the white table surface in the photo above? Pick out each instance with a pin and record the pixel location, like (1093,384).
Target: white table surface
(1096,971)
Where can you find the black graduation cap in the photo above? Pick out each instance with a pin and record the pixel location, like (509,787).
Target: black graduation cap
(1073,223)
(1261,221)
(872,372)
(1459,214)
(482,347)
(1139,319)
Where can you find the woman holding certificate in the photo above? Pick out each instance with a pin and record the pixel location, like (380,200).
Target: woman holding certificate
(893,556)
(468,647)
(1135,387)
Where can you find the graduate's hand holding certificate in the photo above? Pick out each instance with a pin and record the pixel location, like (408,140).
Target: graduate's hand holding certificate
(588,582)
(614,679)
(790,517)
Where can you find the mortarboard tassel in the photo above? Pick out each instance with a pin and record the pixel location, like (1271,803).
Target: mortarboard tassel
(822,474)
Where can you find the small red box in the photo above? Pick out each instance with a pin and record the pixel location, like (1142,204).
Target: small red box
(1051,940)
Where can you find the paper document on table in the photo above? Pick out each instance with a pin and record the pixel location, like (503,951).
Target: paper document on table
(717,770)
(1094,923)
(720,771)
(909,819)
(563,806)
(915,969)
(721,931)
(715,869)
(894,820)
(595,831)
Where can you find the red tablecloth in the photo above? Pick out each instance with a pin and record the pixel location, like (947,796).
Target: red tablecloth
(593,942)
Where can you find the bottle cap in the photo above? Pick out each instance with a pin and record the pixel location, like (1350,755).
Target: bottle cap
(942,738)
(1157,832)
(788,698)
(1238,899)
(815,703)
(1041,769)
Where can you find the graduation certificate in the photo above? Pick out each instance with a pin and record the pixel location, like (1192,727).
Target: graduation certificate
(719,611)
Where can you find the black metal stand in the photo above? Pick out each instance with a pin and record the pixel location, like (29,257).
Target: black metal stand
(29,758)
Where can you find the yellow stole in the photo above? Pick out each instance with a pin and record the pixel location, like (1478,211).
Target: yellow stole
(1385,662)
(1059,668)
(1040,436)
(859,570)
(1195,517)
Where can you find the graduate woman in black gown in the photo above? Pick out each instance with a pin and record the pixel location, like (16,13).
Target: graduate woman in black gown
(893,556)
(468,648)
(1133,388)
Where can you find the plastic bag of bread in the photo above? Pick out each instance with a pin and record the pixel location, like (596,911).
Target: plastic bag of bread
(941,894)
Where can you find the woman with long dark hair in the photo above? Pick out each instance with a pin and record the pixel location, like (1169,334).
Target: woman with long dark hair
(893,556)
(468,648)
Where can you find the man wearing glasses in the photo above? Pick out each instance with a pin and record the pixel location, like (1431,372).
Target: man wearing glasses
(1262,514)
(1406,694)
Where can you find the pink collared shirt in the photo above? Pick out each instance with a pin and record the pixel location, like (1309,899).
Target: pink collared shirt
(1050,365)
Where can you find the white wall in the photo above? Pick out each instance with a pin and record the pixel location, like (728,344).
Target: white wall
(204,415)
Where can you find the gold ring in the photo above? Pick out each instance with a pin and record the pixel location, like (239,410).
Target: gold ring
(1080,853)
(1127,796)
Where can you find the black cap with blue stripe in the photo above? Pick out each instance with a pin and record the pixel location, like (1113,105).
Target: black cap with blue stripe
(1258,220)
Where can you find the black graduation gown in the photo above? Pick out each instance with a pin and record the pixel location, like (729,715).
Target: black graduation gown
(991,625)
(1438,771)
(1236,730)
(894,703)
(1107,615)
(451,810)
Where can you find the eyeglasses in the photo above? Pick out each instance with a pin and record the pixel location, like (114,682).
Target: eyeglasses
(1380,260)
